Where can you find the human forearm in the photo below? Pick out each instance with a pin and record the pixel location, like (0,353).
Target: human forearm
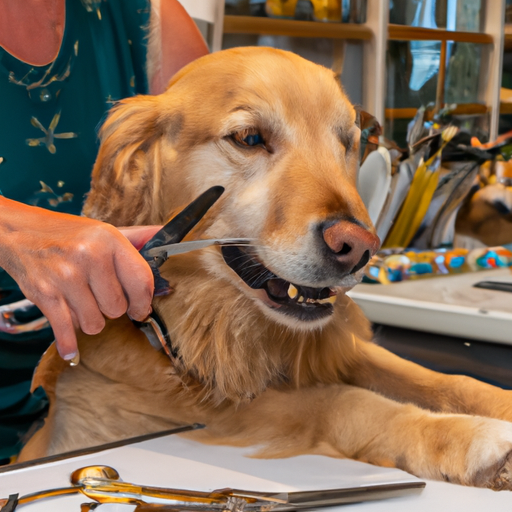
(76,270)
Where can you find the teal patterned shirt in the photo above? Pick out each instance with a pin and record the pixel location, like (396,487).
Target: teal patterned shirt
(49,121)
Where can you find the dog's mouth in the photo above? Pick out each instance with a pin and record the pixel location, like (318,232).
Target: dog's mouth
(302,302)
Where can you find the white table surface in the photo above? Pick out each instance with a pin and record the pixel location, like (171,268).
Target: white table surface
(172,461)
(448,305)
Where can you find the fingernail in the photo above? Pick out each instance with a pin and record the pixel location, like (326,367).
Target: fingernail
(73,358)
(142,317)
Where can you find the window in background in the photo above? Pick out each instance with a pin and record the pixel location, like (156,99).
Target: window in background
(334,50)
(425,67)
(458,15)
(506,78)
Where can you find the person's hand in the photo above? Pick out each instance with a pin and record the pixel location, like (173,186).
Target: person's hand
(76,270)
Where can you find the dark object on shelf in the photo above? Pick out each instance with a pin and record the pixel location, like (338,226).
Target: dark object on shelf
(304,11)
(353,11)
(238,7)
(494,285)
(257,8)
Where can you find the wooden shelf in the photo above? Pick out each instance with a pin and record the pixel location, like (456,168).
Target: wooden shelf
(294,28)
(462,109)
(508,37)
(407,33)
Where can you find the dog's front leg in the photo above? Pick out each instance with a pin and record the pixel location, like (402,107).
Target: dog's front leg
(376,368)
(346,421)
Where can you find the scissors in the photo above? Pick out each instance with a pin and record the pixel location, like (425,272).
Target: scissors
(166,242)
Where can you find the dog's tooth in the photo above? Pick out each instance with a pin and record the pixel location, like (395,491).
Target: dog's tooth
(328,300)
(300,299)
(292,291)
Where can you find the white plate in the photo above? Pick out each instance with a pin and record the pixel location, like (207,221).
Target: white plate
(373,181)
(399,187)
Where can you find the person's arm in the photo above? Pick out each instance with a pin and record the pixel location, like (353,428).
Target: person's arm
(174,41)
(76,270)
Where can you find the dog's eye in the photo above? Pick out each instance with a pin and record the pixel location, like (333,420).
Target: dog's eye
(253,140)
(248,138)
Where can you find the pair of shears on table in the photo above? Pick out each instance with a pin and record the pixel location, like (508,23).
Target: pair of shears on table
(168,241)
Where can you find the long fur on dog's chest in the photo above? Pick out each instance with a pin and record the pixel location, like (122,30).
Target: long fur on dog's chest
(231,350)
(229,354)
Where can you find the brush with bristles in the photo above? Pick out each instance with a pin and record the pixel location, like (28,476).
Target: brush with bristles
(419,196)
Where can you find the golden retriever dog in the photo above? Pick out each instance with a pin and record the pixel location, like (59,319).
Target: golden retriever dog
(268,349)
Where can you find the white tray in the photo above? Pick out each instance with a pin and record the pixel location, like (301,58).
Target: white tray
(444,305)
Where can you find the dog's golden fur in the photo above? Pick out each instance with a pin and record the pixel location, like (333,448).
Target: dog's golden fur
(253,375)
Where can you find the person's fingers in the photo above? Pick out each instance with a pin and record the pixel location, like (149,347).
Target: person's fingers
(84,305)
(60,319)
(108,292)
(137,282)
(139,235)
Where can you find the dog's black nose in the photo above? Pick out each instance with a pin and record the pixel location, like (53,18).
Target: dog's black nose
(351,245)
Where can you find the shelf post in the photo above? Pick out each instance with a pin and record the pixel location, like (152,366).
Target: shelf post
(492,54)
(374,66)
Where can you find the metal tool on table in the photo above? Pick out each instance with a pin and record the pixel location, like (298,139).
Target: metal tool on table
(500,286)
(103,485)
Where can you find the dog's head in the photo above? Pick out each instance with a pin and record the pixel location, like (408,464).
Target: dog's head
(280,135)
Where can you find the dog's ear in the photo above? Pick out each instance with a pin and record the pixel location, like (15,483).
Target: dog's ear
(126,175)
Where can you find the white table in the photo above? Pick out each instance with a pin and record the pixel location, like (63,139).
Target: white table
(173,461)
(448,305)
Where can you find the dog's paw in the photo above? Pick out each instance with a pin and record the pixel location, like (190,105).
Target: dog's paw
(497,477)
(462,449)
(489,459)
(502,480)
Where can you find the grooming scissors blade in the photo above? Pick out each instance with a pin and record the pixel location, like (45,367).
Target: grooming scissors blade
(175,230)
(167,241)
(174,249)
